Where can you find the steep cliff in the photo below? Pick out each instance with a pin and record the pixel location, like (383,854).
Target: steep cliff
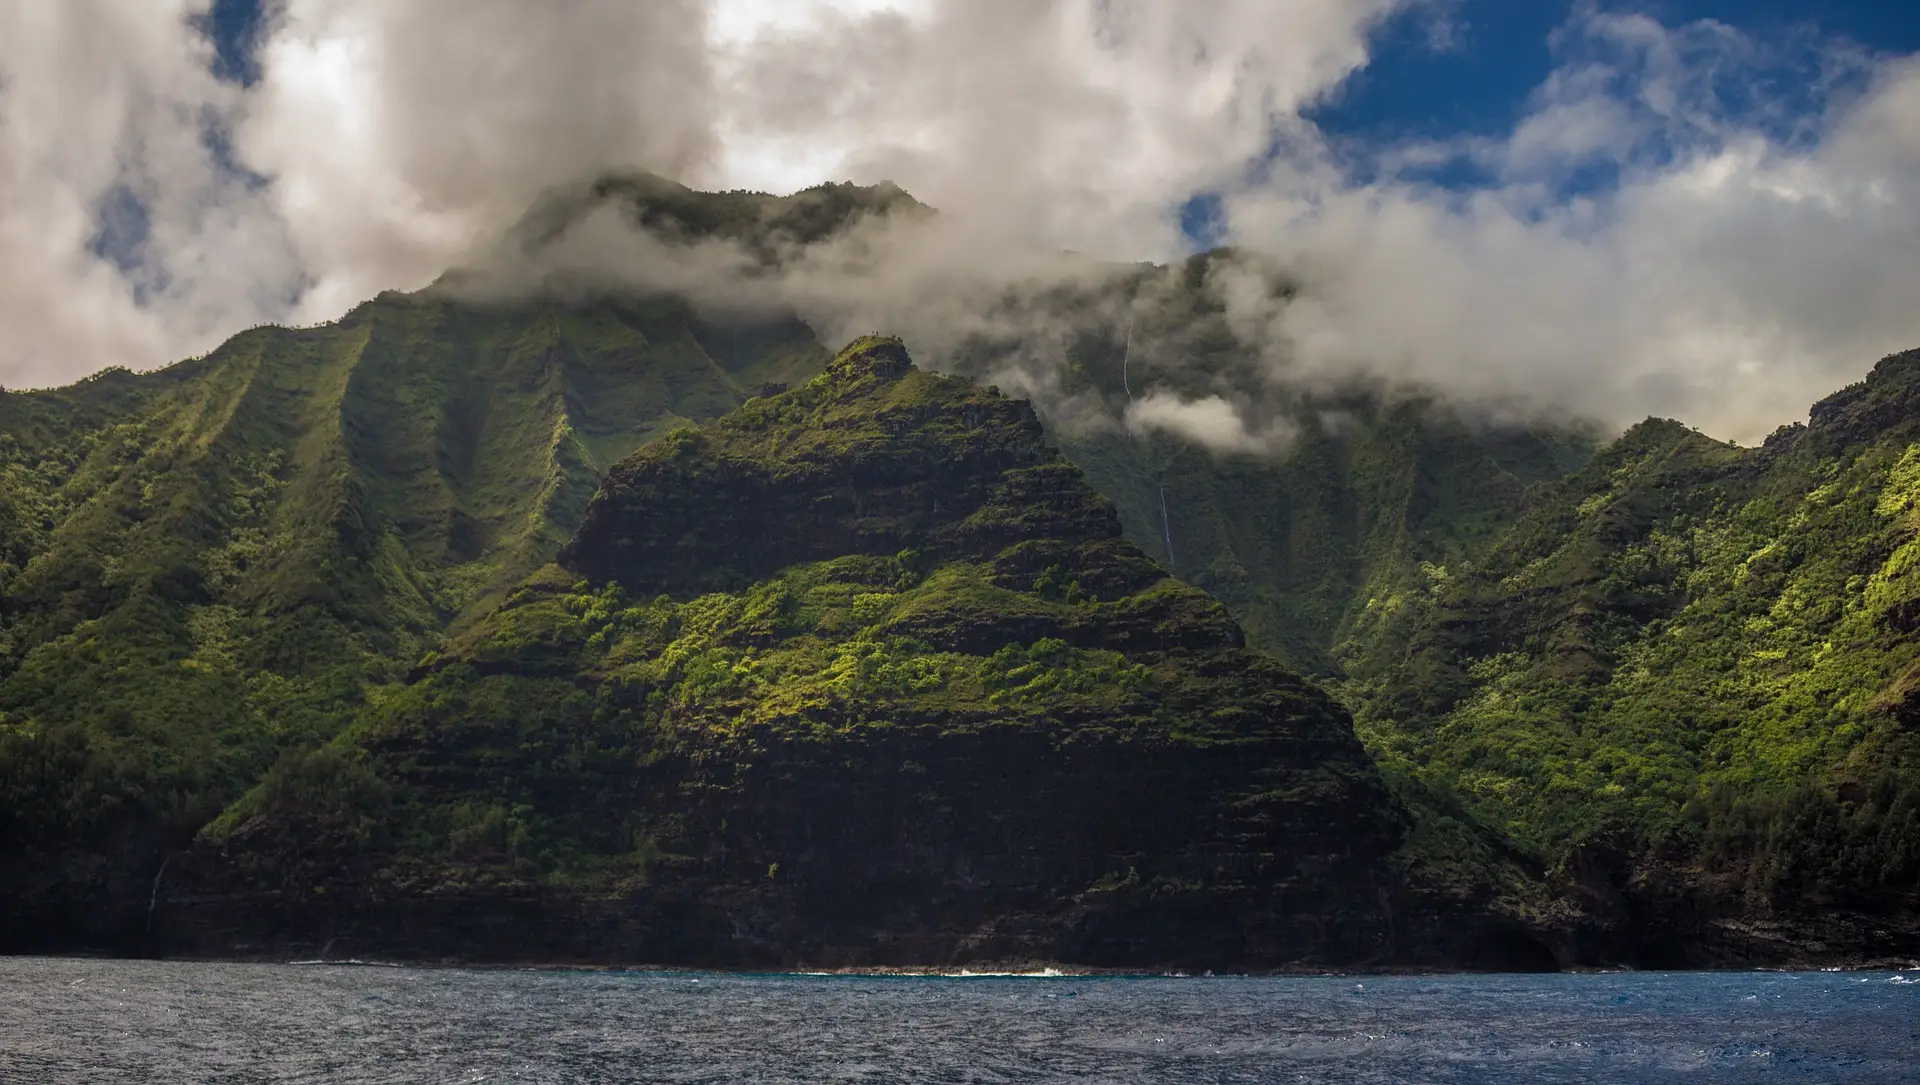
(207,565)
(1685,680)
(860,673)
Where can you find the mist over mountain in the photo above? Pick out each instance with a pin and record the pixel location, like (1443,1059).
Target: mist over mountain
(1678,217)
(446,609)
(468,488)
(1157,379)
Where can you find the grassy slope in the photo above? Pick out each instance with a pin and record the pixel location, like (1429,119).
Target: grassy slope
(1689,670)
(209,564)
(882,564)
(1376,491)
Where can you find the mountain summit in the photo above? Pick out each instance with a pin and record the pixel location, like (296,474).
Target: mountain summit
(486,625)
(861,673)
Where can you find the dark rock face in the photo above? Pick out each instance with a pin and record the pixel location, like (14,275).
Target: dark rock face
(933,711)
(921,845)
(702,512)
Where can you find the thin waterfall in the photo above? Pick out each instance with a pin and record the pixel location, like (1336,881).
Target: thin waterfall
(153,898)
(1166,529)
(1126,357)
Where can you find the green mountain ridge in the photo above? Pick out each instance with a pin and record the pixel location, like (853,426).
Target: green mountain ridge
(747,721)
(1372,483)
(1686,679)
(1639,702)
(213,563)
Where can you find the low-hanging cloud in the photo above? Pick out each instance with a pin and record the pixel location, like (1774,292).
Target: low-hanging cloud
(123,240)
(1208,421)
(1743,264)
(1634,245)
(149,208)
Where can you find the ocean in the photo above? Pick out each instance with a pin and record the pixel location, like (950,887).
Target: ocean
(158,1023)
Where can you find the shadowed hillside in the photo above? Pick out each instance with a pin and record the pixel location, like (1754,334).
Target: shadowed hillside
(1648,701)
(861,673)
(206,566)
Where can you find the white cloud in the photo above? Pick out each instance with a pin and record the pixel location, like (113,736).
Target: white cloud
(1664,231)
(104,109)
(398,135)
(1735,274)
(1208,421)
(1080,123)
(732,23)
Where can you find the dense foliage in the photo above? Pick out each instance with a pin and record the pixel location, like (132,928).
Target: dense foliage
(738,691)
(297,599)
(203,567)
(1353,487)
(1691,662)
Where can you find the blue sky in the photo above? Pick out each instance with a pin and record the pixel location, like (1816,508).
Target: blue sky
(234,26)
(1479,81)
(1470,68)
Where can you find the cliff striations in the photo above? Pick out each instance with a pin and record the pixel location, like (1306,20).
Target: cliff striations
(861,673)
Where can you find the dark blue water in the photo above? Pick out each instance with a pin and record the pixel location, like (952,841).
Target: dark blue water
(155,1023)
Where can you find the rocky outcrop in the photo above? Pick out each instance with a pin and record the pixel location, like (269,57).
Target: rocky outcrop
(860,674)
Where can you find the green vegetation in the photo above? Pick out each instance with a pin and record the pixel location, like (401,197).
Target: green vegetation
(208,566)
(1691,662)
(1671,668)
(736,684)
(1371,491)
(810,655)
(604,598)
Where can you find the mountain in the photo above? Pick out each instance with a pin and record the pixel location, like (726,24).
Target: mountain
(1358,487)
(768,227)
(205,566)
(861,673)
(1686,679)
(368,608)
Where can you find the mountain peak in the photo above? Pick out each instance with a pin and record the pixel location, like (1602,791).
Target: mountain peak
(852,648)
(872,457)
(677,213)
(1883,403)
(882,356)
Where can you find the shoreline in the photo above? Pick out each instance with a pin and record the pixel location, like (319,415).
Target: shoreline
(985,970)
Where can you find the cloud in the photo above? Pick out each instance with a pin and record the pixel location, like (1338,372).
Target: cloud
(1078,123)
(380,142)
(1209,421)
(123,240)
(1684,221)
(399,135)
(1744,263)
